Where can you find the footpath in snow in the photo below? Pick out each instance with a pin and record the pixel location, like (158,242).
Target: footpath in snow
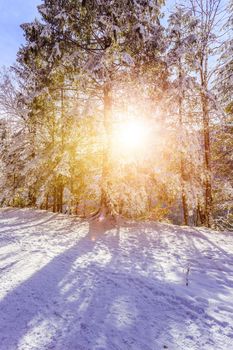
(146,286)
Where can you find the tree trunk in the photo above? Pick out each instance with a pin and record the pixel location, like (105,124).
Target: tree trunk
(61,199)
(182,169)
(58,199)
(54,199)
(62,120)
(185,205)
(106,207)
(200,216)
(70,202)
(47,202)
(32,191)
(207,161)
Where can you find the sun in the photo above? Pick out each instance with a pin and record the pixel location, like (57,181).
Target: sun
(131,136)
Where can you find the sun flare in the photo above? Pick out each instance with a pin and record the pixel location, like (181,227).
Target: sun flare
(131,135)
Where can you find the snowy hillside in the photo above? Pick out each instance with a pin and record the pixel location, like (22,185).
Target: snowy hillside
(143,287)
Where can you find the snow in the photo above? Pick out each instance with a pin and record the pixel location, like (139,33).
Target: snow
(63,285)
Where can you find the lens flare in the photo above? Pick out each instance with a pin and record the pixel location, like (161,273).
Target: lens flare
(131,136)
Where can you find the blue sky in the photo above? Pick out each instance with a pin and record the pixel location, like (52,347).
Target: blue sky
(12,14)
(15,12)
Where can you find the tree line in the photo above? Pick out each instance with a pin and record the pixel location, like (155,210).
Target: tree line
(87,67)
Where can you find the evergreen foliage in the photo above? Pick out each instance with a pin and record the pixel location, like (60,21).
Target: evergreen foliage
(87,70)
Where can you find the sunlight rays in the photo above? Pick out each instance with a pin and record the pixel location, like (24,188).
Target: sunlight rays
(131,135)
(131,138)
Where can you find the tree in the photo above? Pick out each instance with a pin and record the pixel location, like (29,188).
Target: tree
(106,39)
(182,44)
(208,13)
(222,150)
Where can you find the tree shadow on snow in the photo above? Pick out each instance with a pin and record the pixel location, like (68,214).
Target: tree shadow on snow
(91,297)
(24,219)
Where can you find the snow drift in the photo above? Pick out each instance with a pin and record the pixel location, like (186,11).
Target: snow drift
(144,286)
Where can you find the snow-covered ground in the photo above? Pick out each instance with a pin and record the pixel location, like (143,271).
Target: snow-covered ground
(64,286)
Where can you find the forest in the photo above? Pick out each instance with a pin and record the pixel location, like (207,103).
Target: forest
(120,108)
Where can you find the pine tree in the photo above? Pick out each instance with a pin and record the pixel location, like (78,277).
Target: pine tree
(106,38)
(222,149)
(182,44)
(207,13)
